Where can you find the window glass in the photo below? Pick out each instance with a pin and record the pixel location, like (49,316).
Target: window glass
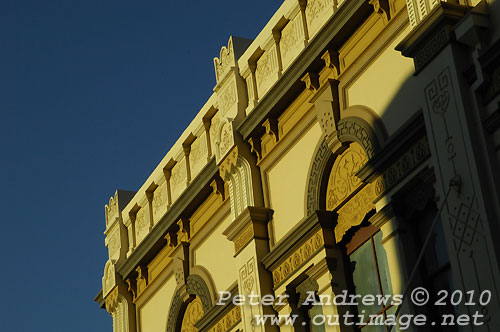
(365,276)
(316,310)
(383,265)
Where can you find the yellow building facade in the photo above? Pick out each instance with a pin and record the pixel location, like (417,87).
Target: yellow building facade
(331,144)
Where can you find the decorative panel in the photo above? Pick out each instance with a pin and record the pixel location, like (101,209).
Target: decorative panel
(141,225)
(214,128)
(343,182)
(198,155)
(159,202)
(291,42)
(193,313)
(178,179)
(317,13)
(266,72)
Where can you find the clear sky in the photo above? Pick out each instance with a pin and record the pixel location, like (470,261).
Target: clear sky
(92,95)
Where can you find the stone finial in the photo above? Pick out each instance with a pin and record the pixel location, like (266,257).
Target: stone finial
(229,56)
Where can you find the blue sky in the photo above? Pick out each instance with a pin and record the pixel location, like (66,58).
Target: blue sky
(92,95)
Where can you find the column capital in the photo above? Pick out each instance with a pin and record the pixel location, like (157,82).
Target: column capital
(250,224)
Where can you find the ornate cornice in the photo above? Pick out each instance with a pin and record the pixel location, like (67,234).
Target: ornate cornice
(300,244)
(153,242)
(339,25)
(250,224)
(432,34)
(400,142)
(221,317)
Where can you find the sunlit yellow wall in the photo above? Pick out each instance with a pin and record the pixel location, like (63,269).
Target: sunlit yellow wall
(154,313)
(287,182)
(215,254)
(379,85)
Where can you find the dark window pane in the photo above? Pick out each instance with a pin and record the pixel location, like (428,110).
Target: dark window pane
(365,276)
(383,266)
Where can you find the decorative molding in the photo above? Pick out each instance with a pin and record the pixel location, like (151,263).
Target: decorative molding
(243,239)
(432,34)
(218,188)
(305,288)
(176,307)
(299,245)
(184,227)
(153,243)
(247,275)
(404,165)
(354,211)
(350,11)
(192,314)
(256,146)
(142,274)
(298,258)
(322,159)
(342,181)
(228,163)
(250,224)
(331,58)
(271,126)
(311,81)
(218,317)
(352,129)
(195,285)
(197,290)
(398,144)
(381,7)
(228,321)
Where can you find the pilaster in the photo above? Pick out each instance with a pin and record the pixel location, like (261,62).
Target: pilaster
(454,130)
(249,234)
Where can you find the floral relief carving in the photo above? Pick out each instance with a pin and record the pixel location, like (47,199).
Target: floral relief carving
(404,165)
(229,320)
(290,42)
(266,66)
(193,313)
(227,97)
(297,258)
(178,178)
(343,180)
(114,242)
(158,199)
(214,126)
(354,211)
(140,223)
(226,139)
(198,155)
(315,11)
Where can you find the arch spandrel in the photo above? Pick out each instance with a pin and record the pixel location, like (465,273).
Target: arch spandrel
(194,311)
(342,181)
(346,194)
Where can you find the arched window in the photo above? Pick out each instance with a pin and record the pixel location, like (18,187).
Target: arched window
(365,257)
